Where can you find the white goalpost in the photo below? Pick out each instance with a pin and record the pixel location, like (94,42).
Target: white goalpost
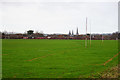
(86,34)
(102,37)
(90,33)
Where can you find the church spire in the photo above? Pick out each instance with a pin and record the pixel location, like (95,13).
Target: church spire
(77,31)
(69,32)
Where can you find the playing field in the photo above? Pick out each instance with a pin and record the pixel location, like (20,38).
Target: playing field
(56,58)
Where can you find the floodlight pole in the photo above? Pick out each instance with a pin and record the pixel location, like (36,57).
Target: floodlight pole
(86,34)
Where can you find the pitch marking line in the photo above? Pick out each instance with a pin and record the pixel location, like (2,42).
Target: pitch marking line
(111,58)
(40,57)
(108,60)
(3,54)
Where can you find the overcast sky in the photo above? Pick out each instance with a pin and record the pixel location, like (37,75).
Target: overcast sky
(58,16)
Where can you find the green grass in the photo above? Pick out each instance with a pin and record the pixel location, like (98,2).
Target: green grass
(56,58)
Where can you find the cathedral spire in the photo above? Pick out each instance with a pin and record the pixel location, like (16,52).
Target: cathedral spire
(69,32)
(77,31)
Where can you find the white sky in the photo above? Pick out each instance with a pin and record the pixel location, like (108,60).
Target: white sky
(59,16)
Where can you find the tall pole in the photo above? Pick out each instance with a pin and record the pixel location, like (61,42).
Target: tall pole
(90,33)
(86,34)
(102,37)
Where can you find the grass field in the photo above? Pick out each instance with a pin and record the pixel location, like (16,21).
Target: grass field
(56,58)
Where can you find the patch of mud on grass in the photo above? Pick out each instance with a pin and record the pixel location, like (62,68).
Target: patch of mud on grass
(110,73)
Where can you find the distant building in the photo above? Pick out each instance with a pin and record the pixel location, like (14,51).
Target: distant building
(69,33)
(72,34)
(30,32)
(77,32)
